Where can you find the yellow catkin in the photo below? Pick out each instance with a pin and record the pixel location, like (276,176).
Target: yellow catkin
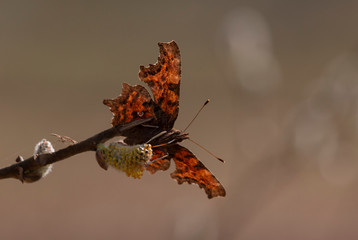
(129,159)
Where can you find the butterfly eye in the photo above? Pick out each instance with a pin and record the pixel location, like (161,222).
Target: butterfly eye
(140,151)
(140,114)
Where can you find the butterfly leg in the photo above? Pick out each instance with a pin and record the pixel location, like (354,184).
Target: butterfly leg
(156,136)
(147,163)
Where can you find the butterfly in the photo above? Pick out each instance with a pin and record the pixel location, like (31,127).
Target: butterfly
(135,102)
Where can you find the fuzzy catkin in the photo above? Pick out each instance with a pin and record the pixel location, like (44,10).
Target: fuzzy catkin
(129,159)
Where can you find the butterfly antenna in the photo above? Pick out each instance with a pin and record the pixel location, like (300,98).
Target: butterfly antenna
(205,149)
(160,145)
(207,101)
(156,136)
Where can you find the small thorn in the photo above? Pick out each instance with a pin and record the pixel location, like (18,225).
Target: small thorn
(19,159)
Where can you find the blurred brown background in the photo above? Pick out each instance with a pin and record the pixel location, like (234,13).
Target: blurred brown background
(282,77)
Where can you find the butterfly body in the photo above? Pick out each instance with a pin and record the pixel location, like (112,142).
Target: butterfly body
(135,102)
(129,159)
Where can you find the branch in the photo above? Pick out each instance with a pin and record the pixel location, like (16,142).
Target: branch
(90,144)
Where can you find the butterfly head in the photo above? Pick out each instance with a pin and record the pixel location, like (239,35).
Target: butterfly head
(145,152)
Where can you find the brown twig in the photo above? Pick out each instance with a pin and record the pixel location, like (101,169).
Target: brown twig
(90,144)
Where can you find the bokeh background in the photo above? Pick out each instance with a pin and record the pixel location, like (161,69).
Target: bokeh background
(282,79)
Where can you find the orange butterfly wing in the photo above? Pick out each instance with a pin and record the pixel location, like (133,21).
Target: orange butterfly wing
(163,78)
(190,169)
(133,103)
(160,164)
